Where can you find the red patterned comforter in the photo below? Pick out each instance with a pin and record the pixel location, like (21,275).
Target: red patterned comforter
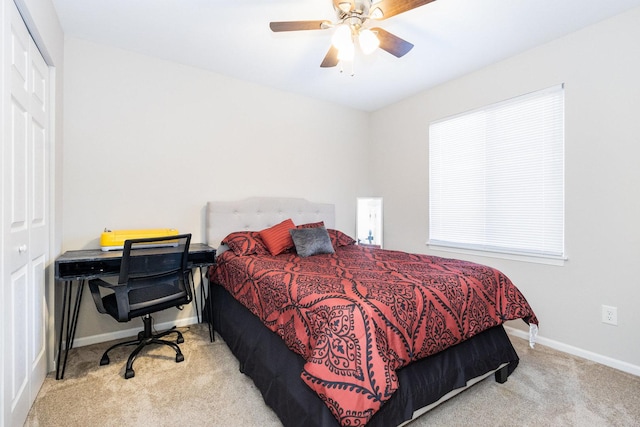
(359,315)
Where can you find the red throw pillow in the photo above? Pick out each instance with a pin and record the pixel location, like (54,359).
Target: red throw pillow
(338,238)
(246,243)
(277,238)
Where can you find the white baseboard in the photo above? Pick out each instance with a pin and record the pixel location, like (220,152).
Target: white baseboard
(556,345)
(565,348)
(95,339)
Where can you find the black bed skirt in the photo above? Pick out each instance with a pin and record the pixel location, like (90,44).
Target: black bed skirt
(275,370)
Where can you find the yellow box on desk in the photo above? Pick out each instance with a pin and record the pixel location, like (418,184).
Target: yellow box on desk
(114,239)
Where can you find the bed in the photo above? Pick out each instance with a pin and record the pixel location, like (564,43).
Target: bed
(376,365)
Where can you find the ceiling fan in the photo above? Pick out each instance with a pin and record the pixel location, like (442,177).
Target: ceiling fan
(352,27)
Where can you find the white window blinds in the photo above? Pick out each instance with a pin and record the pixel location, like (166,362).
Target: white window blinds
(496,177)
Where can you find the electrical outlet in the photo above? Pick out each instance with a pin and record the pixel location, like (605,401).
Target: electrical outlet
(610,315)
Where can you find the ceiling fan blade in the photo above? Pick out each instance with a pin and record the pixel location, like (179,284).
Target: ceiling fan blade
(331,58)
(298,25)
(390,8)
(391,43)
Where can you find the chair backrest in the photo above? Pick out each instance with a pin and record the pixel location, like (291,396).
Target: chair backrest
(155,271)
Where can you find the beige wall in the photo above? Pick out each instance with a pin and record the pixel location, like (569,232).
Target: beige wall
(149,142)
(203,136)
(600,66)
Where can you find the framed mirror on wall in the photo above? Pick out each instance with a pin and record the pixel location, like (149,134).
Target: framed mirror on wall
(369,221)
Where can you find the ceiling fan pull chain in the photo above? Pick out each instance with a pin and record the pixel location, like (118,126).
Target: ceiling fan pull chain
(353,68)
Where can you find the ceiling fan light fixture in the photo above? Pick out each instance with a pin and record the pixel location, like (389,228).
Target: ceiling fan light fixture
(368,41)
(342,37)
(345,6)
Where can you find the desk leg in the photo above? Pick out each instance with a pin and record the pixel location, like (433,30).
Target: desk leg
(195,296)
(208,303)
(68,324)
(203,302)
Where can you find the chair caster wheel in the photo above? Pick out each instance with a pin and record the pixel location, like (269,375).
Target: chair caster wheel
(180,339)
(129,374)
(179,358)
(104,360)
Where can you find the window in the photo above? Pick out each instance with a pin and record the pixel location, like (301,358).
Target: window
(496,177)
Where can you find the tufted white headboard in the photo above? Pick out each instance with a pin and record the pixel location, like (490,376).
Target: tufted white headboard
(258,213)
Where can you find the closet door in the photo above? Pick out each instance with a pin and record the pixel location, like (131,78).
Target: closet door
(25,228)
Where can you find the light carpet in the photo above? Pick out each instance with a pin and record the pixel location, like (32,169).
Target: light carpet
(549,388)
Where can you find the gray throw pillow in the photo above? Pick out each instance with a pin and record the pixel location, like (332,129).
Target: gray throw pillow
(311,241)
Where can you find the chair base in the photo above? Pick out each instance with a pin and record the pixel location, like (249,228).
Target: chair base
(145,338)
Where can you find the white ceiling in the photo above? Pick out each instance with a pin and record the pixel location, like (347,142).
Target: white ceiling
(232,37)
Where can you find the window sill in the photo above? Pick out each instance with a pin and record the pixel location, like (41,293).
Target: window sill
(559,261)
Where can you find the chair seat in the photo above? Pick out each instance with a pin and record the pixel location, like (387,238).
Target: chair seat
(111,306)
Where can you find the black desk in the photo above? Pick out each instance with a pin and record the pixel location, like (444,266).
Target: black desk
(76,267)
